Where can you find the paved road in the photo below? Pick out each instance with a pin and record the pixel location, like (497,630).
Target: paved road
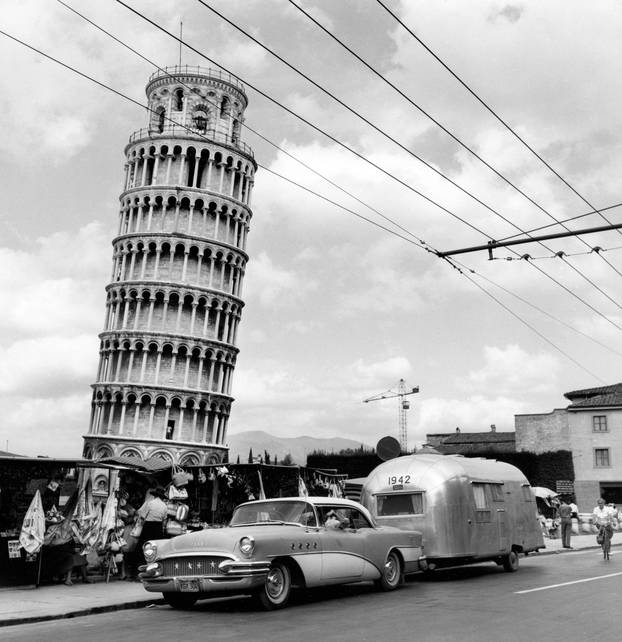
(574,596)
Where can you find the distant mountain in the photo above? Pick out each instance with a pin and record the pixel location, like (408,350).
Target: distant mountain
(298,447)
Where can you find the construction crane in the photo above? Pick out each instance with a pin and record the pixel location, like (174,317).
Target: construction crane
(404,405)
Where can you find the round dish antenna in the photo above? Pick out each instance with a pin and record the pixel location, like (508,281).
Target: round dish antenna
(388,448)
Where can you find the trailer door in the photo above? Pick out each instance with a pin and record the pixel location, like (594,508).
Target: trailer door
(498,502)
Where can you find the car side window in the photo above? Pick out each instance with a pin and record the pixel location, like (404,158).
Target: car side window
(307,518)
(358,520)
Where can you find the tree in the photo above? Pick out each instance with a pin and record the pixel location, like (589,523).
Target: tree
(238,461)
(250,456)
(266,457)
(288,460)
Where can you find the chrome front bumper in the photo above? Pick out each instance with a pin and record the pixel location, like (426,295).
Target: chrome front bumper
(229,576)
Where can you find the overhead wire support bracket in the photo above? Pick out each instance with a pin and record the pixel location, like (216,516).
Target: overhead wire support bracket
(532,239)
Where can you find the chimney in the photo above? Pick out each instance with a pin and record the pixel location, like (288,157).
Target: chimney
(493,428)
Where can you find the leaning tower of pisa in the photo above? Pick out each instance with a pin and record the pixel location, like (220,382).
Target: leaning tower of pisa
(173,304)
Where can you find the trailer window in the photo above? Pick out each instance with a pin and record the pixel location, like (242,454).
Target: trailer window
(528,495)
(402,504)
(497,492)
(482,508)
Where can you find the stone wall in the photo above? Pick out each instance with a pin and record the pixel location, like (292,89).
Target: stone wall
(539,433)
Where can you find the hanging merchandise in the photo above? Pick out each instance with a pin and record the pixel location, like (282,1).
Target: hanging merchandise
(33,527)
(138,527)
(109,519)
(334,491)
(302,488)
(262,494)
(180,476)
(174,528)
(176,494)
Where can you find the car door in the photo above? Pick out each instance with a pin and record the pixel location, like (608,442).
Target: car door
(343,549)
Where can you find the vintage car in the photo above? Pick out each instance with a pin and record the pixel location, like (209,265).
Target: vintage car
(272,546)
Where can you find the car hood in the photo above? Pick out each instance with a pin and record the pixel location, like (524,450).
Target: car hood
(224,539)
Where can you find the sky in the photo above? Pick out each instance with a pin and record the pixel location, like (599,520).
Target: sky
(337,308)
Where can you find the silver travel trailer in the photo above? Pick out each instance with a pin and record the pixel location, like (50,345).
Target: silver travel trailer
(468,509)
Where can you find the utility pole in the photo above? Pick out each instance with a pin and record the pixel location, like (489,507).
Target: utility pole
(404,406)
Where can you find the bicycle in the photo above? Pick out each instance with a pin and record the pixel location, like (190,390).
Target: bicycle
(604,539)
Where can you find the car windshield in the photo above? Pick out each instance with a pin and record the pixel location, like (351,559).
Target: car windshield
(274,511)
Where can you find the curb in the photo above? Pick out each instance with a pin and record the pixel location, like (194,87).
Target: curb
(556,551)
(108,608)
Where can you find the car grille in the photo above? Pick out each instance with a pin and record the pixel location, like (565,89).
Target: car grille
(183,566)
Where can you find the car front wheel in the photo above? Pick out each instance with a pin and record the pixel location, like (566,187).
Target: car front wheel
(179,600)
(391,576)
(277,588)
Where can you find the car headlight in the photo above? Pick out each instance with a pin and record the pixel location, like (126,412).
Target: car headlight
(150,550)
(247,546)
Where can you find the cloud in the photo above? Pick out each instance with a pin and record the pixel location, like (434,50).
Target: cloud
(511,370)
(61,284)
(509,12)
(273,285)
(41,426)
(49,366)
(375,374)
(474,413)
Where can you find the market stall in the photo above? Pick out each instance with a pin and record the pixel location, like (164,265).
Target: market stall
(92,510)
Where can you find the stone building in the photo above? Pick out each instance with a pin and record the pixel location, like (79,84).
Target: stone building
(472,443)
(591,428)
(173,305)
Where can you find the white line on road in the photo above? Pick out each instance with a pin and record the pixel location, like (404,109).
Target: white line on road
(587,579)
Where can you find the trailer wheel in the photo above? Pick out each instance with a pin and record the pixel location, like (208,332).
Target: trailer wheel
(510,562)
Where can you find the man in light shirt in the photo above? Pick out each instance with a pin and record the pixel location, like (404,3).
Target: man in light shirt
(604,516)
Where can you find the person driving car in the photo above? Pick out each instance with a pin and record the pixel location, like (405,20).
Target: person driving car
(336,520)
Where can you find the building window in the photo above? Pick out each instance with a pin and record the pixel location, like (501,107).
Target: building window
(170,429)
(179,99)
(599,423)
(601,458)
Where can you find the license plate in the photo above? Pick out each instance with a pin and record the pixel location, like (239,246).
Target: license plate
(189,586)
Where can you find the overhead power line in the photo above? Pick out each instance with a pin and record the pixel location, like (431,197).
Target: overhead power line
(539,309)
(181,125)
(422,243)
(340,143)
(120,94)
(528,325)
(490,109)
(429,116)
(246,126)
(304,120)
(566,220)
(353,111)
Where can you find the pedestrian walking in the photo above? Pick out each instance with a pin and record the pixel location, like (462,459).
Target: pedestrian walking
(565,516)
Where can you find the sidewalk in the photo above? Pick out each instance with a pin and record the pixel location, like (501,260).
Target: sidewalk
(22,605)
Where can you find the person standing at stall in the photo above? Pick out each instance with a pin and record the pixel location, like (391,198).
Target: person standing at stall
(565,516)
(152,513)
